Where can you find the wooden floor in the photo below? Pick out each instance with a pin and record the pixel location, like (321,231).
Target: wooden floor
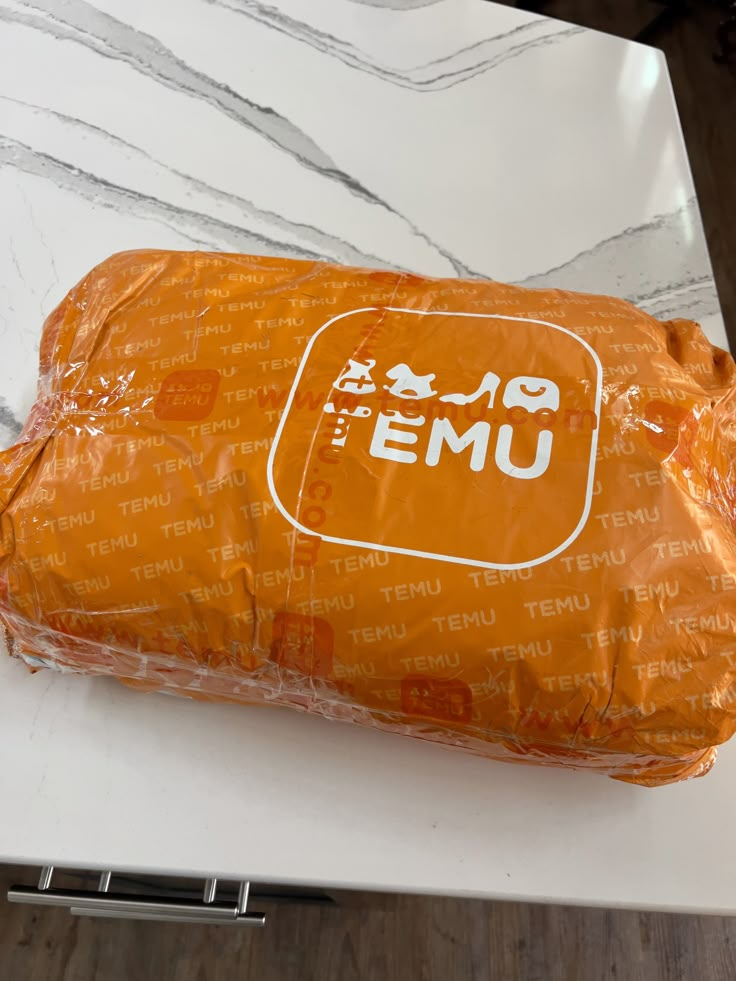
(404,939)
(415,939)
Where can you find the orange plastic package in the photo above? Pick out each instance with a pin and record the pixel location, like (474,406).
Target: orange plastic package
(496,518)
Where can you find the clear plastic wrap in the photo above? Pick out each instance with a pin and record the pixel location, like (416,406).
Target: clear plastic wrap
(495,518)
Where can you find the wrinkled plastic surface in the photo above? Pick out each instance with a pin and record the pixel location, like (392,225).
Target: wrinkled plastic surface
(491,517)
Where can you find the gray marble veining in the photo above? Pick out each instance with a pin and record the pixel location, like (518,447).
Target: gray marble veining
(451,137)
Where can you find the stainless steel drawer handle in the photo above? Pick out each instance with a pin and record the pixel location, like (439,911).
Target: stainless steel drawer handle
(104,903)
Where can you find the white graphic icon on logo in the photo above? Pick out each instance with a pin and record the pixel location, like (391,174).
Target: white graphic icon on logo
(355,380)
(488,386)
(407,385)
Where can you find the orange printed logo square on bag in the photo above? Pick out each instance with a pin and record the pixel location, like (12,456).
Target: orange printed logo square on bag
(458,437)
(187,395)
(303,644)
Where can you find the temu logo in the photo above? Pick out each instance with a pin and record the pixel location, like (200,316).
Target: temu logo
(467,438)
(303,644)
(187,395)
(436,698)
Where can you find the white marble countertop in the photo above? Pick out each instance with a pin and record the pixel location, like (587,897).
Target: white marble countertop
(451,137)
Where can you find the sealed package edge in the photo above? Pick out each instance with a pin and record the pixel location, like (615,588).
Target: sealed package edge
(496,518)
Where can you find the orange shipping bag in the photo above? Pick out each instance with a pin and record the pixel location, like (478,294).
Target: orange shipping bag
(496,518)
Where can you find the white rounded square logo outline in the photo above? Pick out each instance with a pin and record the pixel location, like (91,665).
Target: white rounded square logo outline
(438,556)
